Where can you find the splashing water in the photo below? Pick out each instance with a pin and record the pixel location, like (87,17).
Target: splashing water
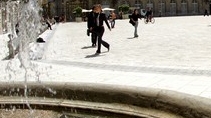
(25,15)
(29,22)
(30,26)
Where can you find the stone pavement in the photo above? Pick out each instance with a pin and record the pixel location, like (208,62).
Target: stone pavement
(172,54)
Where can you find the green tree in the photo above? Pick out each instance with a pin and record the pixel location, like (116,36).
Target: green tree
(124,8)
(77,11)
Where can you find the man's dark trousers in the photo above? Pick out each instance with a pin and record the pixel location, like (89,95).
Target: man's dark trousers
(100,31)
(94,38)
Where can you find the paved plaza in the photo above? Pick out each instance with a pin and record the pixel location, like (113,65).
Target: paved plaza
(172,54)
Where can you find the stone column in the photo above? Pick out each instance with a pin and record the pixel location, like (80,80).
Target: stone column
(1,24)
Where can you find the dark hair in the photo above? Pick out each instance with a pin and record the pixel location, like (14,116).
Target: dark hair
(134,11)
(93,7)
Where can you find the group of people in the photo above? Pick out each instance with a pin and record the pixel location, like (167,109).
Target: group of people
(135,16)
(95,26)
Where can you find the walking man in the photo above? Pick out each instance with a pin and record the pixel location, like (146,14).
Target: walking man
(99,28)
(90,25)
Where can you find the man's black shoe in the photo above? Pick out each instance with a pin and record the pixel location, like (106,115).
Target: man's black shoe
(136,36)
(98,52)
(93,45)
(108,48)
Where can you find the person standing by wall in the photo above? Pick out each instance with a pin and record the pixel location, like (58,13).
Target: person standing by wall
(149,14)
(99,28)
(120,14)
(90,25)
(112,19)
(134,18)
(206,12)
(48,24)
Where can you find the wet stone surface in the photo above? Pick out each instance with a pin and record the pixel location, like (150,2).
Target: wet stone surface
(26,113)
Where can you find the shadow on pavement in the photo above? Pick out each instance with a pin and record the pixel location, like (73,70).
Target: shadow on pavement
(87,47)
(131,38)
(94,55)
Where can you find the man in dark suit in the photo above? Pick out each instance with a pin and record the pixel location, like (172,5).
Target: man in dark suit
(99,28)
(90,25)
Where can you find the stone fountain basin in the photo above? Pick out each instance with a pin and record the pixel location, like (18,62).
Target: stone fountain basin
(107,100)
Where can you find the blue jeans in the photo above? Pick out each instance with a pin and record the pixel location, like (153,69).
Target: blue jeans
(136,26)
(112,23)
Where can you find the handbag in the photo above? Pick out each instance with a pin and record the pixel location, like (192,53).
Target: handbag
(131,22)
(88,32)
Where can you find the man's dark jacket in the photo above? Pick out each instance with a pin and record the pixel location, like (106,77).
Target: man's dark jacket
(91,20)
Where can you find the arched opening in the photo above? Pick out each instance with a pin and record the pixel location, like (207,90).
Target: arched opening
(105,3)
(162,7)
(138,4)
(184,7)
(194,7)
(150,4)
(173,7)
(68,11)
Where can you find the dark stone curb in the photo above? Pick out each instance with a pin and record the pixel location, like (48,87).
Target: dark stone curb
(136,98)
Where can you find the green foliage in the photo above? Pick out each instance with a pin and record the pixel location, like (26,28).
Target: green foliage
(77,11)
(120,8)
(124,8)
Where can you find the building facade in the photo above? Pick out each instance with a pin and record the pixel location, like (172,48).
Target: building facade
(65,8)
(159,7)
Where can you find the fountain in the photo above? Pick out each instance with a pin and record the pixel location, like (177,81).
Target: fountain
(79,100)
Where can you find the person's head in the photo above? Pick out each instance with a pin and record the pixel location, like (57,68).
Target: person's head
(135,11)
(98,8)
(94,8)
